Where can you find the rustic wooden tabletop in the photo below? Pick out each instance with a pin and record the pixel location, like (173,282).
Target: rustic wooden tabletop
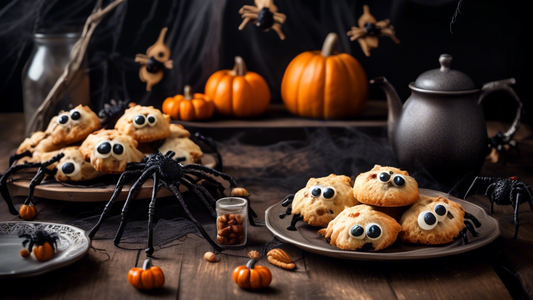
(502,269)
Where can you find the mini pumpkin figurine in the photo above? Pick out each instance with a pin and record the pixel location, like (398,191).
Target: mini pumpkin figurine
(264,15)
(369,31)
(148,277)
(189,106)
(156,60)
(251,276)
(42,243)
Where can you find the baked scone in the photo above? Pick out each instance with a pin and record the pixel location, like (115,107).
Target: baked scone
(322,199)
(432,221)
(110,151)
(73,126)
(385,186)
(183,147)
(72,167)
(361,227)
(37,144)
(178,131)
(144,123)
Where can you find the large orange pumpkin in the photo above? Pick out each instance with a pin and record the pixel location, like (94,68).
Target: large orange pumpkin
(189,107)
(324,85)
(238,92)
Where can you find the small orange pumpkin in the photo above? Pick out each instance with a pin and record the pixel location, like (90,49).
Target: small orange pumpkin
(148,277)
(189,107)
(42,243)
(28,212)
(238,92)
(43,252)
(251,276)
(324,85)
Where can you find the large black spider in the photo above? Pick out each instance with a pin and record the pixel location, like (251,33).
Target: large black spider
(39,238)
(41,173)
(503,191)
(169,173)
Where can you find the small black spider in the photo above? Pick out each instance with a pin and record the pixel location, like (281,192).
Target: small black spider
(169,173)
(39,238)
(503,191)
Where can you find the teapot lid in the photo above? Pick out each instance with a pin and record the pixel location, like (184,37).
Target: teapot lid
(444,79)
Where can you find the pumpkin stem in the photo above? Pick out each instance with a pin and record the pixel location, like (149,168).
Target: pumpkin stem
(147,264)
(251,263)
(329,44)
(240,67)
(187,92)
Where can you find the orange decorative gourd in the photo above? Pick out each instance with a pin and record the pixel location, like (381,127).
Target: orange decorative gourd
(251,276)
(28,212)
(189,107)
(43,252)
(238,92)
(146,278)
(324,85)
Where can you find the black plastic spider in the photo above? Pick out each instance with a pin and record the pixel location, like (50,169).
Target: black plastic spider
(469,220)
(503,191)
(41,173)
(169,173)
(39,238)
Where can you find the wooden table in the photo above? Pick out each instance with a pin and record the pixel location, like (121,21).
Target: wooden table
(501,270)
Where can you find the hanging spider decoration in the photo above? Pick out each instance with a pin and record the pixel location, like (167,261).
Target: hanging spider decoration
(503,191)
(264,15)
(43,244)
(41,173)
(169,173)
(369,31)
(154,62)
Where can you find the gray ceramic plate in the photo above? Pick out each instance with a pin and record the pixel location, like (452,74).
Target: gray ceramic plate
(72,246)
(306,236)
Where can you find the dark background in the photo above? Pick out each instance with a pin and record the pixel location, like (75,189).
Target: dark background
(488,43)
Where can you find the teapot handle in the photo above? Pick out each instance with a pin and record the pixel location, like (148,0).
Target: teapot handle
(503,85)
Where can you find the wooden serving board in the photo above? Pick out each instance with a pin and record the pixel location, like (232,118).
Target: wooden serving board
(92,192)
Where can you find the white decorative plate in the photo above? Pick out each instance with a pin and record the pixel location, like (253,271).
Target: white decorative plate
(72,245)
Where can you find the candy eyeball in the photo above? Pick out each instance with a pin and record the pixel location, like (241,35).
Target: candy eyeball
(373,231)
(63,120)
(427,220)
(315,191)
(75,116)
(357,232)
(118,151)
(327,192)
(139,121)
(398,180)
(441,211)
(103,149)
(70,168)
(384,177)
(151,120)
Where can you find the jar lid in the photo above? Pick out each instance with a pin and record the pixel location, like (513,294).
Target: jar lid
(444,79)
(231,203)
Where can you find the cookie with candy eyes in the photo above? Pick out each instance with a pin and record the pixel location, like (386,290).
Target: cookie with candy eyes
(144,123)
(183,147)
(73,126)
(39,143)
(432,221)
(361,228)
(72,167)
(322,199)
(109,151)
(385,186)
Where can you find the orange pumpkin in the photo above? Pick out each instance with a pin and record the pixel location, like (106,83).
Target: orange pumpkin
(189,107)
(146,278)
(324,85)
(43,252)
(238,92)
(251,276)
(28,212)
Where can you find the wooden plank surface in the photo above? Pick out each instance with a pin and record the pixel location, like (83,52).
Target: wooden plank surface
(102,273)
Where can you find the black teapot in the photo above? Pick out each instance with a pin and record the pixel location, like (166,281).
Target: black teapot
(441,128)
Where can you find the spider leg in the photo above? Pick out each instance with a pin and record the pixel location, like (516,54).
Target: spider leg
(36,180)
(244,22)
(118,189)
(3,183)
(131,194)
(194,188)
(211,180)
(287,202)
(517,202)
(277,28)
(209,142)
(175,190)
(295,219)
(279,17)
(208,170)
(389,33)
(151,210)
(30,246)
(15,157)
(249,8)
(472,219)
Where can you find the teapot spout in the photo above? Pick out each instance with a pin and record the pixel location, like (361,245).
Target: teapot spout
(394,103)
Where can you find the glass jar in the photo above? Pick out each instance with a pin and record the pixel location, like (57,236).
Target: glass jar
(51,53)
(232,221)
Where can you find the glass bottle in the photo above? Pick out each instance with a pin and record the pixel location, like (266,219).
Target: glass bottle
(50,55)
(232,221)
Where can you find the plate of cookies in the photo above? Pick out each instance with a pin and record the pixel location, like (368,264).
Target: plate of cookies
(382,216)
(77,158)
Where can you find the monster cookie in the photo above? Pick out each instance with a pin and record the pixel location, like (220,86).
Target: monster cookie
(144,123)
(183,147)
(109,151)
(385,186)
(72,167)
(432,221)
(34,147)
(361,228)
(73,126)
(321,200)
